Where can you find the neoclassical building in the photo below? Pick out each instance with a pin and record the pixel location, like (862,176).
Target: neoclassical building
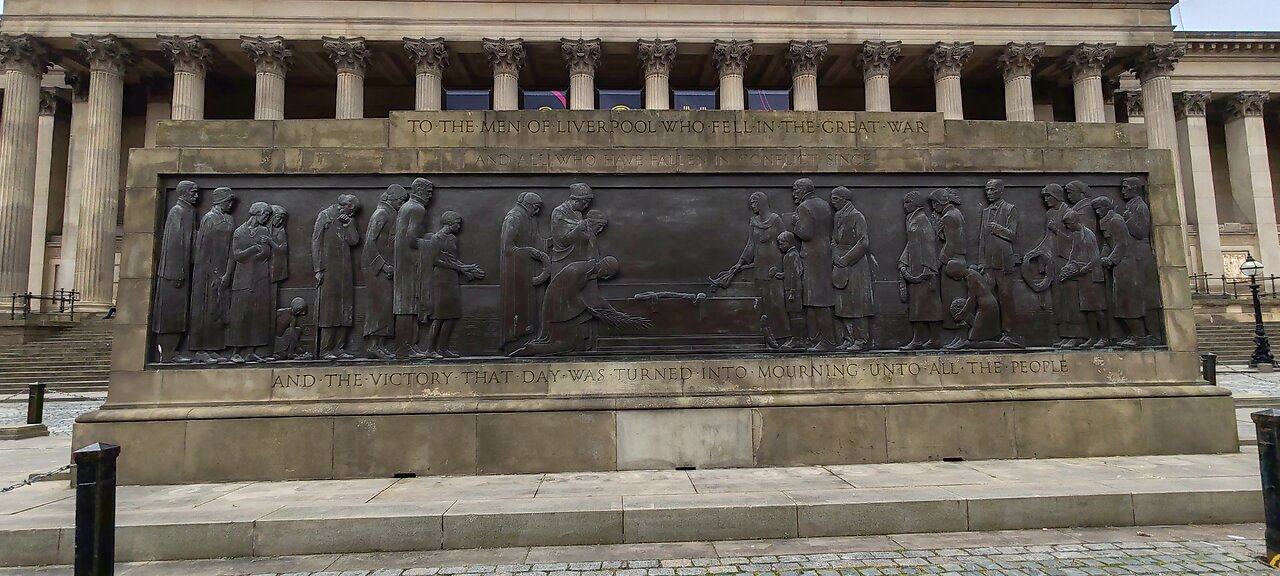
(86,81)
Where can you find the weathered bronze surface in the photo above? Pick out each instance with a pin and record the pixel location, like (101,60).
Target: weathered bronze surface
(632,265)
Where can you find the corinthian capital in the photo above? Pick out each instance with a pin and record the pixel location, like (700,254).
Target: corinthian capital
(1247,104)
(581,55)
(23,52)
(1089,59)
(104,51)
(268,54)
(505,55)
(731,55)
(188,53)
(805,56)
(1158,60)
(348,54)
(79,85)
(1132,102)
(428,54)
(1189,104)
(1019,59)
(879,57)
(657,55)
(948,58)
(48,101)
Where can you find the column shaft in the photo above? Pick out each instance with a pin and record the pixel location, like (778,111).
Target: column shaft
(878,93)
(657,90)
(75,185)
(948,98)
(1251,183)
(40,206)
(732,96)
(582,91)
(1019,105)
(350,95)
(19,127)
(1197,180)
(96,246)
(1162,134)
(428,91)
(430,56)
(804,92)
(268,97)
(506,91)
(188,95)
(1088,92)
(657,55)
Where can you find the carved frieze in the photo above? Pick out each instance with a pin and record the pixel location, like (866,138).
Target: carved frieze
(805,56)
(189,54)
(731,55)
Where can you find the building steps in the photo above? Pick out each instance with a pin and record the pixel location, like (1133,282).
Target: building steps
(76,359)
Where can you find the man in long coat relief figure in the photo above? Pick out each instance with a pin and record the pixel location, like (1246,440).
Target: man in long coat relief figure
(762,256)
(919,268)
(1137,218)
(1084,268)
(1120,261)
(852,266)
(814,220)
(209,297)
(332,241)
(519,273)
(411,225)
(173,274)
(249,333)
(995,248)
(377,262)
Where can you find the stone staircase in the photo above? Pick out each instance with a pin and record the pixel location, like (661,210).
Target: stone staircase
(1231,341)
(77,359)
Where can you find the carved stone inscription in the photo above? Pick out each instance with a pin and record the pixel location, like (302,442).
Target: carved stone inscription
(281,268)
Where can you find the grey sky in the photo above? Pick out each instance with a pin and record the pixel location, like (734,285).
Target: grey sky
(1230,15)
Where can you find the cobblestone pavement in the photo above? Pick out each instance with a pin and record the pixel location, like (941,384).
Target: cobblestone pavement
(1170,551)
(58,416)
(1245,382)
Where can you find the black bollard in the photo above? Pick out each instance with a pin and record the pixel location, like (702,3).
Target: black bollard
(96,509)
(1209,367)
(1267,423)
(35,402)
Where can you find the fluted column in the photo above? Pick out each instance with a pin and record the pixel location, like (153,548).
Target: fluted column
(75,179)
(190,56)
(657,55)
(804,57)
(349,56)
(581,56)
(1251,172)
(96,249)
(1154,67)
(1016,63)
(1087,62)
(731,58)
(271,58)
(159,92)
(878,59)
(40,204)
(506,57)
(24,61)
(1197,176)
(947,60)
(430,57)
(1132,105)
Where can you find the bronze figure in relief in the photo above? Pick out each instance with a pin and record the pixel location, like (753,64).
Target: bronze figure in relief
(519,273)
(249,332)
(288,344)
(332,240)
(173,274)
(995,250)
(571,305)
(814,221)
(851,272)
(410,298)
(761,256)
(440,253)
(951,232)
(209,284)
(919,267)
(377,259)
(1084,269)
(1120,261)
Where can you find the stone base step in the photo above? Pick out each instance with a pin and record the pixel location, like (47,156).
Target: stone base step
(356,516)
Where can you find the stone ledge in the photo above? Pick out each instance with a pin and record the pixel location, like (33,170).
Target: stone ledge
(23,431)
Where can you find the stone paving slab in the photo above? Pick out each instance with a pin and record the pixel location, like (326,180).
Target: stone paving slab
(1170,551)
(272,518)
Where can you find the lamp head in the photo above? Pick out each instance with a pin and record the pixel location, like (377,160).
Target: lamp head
(1251,268)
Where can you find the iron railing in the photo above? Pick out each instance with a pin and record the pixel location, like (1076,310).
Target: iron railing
(20,305)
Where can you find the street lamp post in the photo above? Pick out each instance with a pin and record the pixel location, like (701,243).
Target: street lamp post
(1261,346)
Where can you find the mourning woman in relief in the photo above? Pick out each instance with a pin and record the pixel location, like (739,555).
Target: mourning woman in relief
(279,252)
(573,235)
(919,268)
(518,271)
(173,274)
(761,255)
(946,204)
(209,296)
(447,275)
(249,333)
(978,308)
(852,265)
(1137,218)
(377,259)
(1041,264)
(1084,268)
(1120,261)
(573,303)
(332,240)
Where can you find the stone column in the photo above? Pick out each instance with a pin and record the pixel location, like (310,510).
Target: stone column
(1087,62)
(878,59)
(731,61)
(1132,105)
(190,56)
(657,55)
(1016,63)
(804,57)
(159,93)
(24,61)
(1197,176)
(1251,172)
(96,246)
(40,204)
(1154,67)
(506,57)
(582,56)
(75,180)
(947,60)
(430,57)
(349,56)
(271,58)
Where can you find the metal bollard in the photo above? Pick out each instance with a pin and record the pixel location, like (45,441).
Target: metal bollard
(35,402)
(1209,367)
(96,509)
(1267,423)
